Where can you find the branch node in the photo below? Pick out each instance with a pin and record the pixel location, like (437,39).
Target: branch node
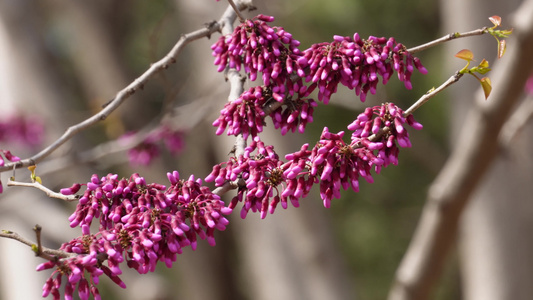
(39,248)
(210,26)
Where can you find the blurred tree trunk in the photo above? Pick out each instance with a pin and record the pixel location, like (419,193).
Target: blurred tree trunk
(494,241)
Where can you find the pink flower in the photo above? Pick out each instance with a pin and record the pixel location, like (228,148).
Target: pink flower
(8,156)
(139,223)
(261,172)
(334,164)
(149,149)
(246,114)
(357,64)
(22,129)
(258,48)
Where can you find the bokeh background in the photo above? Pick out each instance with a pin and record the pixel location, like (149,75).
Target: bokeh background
(60,61)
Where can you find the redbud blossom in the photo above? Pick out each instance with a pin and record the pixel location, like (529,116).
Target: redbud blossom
(335,164)
(357,64)
(261,171)
(28,131)
(149,149)
(258,48)
(245,115)
(139,223)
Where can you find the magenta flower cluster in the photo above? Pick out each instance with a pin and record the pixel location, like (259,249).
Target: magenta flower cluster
(372,123)
(149,149)
(246,114)
(290,75)
(258,48)
(139,224)
(333,163)
(27,131)
(357,64)
(261,174)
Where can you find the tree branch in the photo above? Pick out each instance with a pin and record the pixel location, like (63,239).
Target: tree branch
(237,11)
(474,149)
(446,38)
(46,253)
(227,18)
(516,122)
(41,187)
(430,94)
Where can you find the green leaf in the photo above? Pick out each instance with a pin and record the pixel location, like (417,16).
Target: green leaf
(486,85)
(500,33)
(506,33)
(482,68)
(465,54)
(484,64)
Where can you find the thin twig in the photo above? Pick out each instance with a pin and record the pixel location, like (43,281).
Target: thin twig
(228,186)
(446,38)
(45,253)
(39,251)
(237,11)
(271,106)
(475,148)
(41,187)
(430,94)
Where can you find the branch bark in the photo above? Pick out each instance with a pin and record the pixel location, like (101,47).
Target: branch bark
(475,148)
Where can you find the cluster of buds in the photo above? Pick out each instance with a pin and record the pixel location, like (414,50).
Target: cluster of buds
(385,126)
(332,163)
(357,64)
(297,110)
(139,223)
(88,252)
(335,164)
(149,149)
(258,48)
(351,61)
(27,131)
(246,114)
(260,173)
